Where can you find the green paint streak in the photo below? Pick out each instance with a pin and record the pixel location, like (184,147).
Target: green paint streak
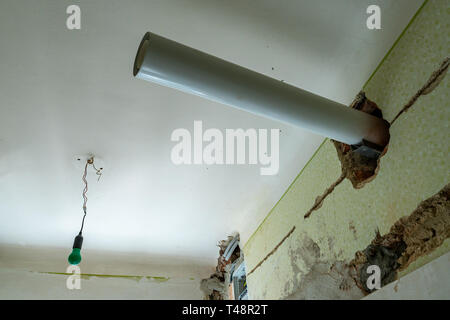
(290,186)
(191,278)
(315,153)
(87,276)
(395,43)
(158,279)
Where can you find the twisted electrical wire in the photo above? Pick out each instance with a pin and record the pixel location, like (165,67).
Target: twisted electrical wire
(85,190)
(89,161)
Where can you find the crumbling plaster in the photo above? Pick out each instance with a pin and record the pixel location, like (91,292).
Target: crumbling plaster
(415,167)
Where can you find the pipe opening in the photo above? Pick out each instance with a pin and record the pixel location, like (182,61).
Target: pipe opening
(140,55)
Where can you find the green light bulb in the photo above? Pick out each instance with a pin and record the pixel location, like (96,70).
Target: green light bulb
(75,256)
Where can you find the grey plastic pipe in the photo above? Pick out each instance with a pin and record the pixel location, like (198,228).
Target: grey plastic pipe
(174,65)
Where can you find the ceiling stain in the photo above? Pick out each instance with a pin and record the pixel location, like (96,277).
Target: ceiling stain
(87,276)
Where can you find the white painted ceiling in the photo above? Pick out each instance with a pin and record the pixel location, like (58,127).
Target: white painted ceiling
(67,93)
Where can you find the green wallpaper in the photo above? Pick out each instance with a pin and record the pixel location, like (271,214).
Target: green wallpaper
(415,167)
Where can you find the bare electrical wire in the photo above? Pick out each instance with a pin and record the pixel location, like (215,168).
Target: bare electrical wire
(90,161)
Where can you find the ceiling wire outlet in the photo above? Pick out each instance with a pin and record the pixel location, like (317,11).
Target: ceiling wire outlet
(79,161)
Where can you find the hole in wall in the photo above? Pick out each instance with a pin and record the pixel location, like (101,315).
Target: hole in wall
(356,166)
(229,281)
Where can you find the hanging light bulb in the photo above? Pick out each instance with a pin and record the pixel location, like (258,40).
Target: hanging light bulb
(75,256)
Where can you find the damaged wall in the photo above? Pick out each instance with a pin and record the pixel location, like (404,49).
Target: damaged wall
(410,238)
(312,262)
(215,287)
